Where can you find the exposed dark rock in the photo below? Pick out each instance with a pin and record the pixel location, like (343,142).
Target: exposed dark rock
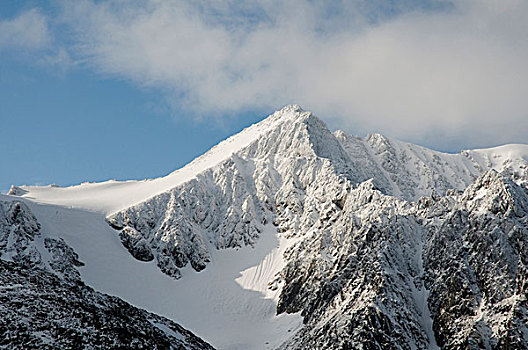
(42,311)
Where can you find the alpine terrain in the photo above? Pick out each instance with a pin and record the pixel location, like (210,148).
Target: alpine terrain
(284,236)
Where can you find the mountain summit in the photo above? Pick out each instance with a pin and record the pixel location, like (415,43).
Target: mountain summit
(289,236)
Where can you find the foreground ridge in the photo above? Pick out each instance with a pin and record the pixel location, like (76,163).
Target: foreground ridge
(44,304)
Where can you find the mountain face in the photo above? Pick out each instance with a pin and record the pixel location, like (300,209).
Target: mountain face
(444,272)
(480,282)
(227,206)
(380,244)
(45,305)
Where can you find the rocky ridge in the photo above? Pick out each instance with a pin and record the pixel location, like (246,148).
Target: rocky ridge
(45,305)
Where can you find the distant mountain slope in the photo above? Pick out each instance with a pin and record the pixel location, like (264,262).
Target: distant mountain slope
(365,158)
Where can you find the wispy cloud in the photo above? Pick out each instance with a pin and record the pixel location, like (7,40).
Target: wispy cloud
(31,36)
(433,72)
(29,30)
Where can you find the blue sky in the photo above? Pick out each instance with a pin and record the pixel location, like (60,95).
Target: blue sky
(75,127)
(94,90)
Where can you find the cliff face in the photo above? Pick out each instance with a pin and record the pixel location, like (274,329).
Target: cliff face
(447,272)
(477,267)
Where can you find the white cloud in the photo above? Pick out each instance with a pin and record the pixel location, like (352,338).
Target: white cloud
(436,77)
(29,30)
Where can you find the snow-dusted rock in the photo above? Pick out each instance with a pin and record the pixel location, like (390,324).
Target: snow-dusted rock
(39,310)
(45,305)
(16,191)
(18,230)
(448,272)
(477,267)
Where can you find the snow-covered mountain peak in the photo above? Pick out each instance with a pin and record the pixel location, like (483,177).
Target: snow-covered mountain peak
(343,135)
(397,168)
(289,111)
(376,241)
(376,138)
(285,131)
(290,153)
(291,114)
(494,192)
